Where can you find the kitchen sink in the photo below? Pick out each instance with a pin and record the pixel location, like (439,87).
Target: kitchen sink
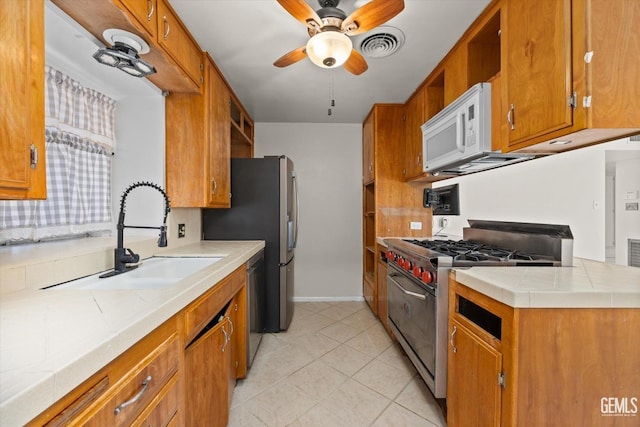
(153,273)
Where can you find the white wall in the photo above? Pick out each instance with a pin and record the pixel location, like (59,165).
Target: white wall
(328,161)
(566,188)
(627,191)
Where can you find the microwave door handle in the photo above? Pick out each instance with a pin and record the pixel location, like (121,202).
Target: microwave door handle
(460,132)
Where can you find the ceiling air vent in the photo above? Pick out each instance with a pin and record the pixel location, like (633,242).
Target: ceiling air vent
(384,42)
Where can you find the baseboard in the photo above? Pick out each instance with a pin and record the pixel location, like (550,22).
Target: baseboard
(328,299)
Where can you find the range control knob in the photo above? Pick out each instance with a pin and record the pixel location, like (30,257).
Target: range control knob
(417,271)
(428,277)
(408,265)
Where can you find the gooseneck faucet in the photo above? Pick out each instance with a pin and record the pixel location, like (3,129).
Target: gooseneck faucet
(123,256)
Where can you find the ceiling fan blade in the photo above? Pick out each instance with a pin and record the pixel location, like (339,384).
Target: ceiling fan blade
(371,15)
(356,64)
(291,57)
(300,10)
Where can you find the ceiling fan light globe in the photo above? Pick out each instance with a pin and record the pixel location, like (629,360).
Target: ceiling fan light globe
(329,49)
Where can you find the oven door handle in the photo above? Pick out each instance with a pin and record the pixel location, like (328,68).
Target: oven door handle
(406,292)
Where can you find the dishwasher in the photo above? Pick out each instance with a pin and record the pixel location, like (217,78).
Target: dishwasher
(255,304)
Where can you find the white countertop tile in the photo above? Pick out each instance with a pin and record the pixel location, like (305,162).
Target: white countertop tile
(587,284)
(53,340)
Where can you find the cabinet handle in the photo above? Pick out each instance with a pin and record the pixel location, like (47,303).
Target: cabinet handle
(419,159)
(453,333)
(232,328)
(510,116)
(151,9)
(215,185)
(166,28)
(134,399)
(226,338)
(227,335)
(33,156)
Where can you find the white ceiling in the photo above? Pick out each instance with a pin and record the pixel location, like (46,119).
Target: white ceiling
(245,37)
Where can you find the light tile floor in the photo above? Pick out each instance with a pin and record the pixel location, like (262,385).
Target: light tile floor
(335,366)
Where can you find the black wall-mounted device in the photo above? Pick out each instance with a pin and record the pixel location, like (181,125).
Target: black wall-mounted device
(443,200)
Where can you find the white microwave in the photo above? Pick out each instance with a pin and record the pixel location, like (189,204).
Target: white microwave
(457,140)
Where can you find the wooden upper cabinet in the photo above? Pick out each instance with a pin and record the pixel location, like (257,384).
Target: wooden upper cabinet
(22,157)
(219,147)
(145,14)
(368,166)
(198,139)
(537,57)
(414,118)
(174,37)
(174,53)
(455,74)
(569,72)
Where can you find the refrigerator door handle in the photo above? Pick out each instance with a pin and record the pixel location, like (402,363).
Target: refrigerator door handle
(294,176)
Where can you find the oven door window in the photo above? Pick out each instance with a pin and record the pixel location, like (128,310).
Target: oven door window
(412,309)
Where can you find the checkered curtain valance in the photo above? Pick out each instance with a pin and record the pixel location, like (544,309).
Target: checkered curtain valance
(79,141)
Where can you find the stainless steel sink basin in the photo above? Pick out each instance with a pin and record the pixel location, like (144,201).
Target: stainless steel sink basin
(153,273)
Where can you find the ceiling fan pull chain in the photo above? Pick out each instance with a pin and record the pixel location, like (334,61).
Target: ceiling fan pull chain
(332,103)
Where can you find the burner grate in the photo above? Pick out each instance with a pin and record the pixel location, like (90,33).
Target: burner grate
(471,251)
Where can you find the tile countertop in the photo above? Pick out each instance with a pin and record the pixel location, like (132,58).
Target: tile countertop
(51,341)
(587,284)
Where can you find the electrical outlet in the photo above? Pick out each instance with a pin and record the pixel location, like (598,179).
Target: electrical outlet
(181,231)
(415,225)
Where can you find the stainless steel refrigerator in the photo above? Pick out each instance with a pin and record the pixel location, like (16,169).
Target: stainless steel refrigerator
(264,206)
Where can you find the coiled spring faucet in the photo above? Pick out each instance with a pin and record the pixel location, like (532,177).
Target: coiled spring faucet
(123,256)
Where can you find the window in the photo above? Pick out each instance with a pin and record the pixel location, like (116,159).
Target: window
(79,143)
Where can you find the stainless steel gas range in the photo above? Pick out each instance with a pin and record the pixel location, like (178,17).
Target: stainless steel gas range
(417,281)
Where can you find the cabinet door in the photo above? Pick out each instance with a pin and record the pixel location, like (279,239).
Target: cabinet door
(219,166)
(176,41)
(413,135)
(206,376)
(368,148)
(455,75)
(144,13)
(473,392)
(22,174)
(537,60)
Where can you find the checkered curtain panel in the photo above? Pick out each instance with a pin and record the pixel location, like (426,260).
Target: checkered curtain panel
(79,140)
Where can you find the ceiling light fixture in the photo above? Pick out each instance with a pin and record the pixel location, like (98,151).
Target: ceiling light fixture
(124,53)
(329,49)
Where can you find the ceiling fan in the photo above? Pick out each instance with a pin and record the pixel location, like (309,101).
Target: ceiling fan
(329,28)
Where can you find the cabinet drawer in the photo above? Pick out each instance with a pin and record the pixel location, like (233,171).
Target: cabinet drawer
(138,388)
(163,408)
(199,313)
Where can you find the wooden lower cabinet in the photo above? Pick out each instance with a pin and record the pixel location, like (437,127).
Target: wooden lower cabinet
(471,375)
(182,373)
(540,366)
(133,385)
(207,363)
(215,350)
